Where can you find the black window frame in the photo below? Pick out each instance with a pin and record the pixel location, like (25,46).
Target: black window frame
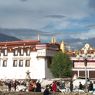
(20,53)
(14,63)
(5,50)
(15,54)
(0,52)
(27,63)
(4,64)
(27,54)
(20,63)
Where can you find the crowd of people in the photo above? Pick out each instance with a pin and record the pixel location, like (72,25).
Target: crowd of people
(55,86)
(50,88)
(33,86)
(89,87)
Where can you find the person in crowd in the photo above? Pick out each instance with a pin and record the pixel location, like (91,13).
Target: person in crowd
(94,86)
(9,86)
(46,91)
(62,85)
(30,88)
(50,87)
(34,85)
(54,86)
(80,86)
(90,87)
(38,87)
(71,86)
(15,85)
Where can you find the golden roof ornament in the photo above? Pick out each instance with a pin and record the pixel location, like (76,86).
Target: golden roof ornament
(53,40)
(62,46)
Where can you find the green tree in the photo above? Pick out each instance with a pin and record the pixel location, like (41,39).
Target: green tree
(61,65)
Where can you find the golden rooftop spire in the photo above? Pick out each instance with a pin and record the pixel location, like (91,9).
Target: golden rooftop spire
(62,46)
(53,40)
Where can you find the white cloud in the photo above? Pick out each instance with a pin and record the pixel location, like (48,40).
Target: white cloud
(47,15)
(32,13)
(84,35)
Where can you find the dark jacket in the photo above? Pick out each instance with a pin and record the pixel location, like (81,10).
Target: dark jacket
(46,92)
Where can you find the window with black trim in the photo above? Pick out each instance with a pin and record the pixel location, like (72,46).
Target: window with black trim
(28,52)
(21,52)
(20,63)
(16,52)
(4,63)
(27,63)
(14,63)
(0,52)
(5,52)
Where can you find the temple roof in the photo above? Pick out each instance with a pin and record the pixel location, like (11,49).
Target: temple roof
(18,43)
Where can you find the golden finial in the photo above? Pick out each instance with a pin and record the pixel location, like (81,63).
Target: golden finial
(53,40)
(62,46)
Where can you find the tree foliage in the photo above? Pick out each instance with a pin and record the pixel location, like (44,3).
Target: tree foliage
(61,65)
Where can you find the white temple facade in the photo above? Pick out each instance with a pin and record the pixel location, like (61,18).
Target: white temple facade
(79,67)
(18,57)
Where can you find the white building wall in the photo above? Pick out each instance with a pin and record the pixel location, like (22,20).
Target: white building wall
(6,72)
(46,53)
(36,69)
(38,64)
(79,65)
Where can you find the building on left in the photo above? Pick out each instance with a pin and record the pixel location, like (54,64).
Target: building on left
(18,57)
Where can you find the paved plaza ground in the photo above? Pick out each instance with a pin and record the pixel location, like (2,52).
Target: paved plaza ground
(38,93)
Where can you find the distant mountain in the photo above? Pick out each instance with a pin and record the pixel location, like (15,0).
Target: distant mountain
(22,33)
(4,37)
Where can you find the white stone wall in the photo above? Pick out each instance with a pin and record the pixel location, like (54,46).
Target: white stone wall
(38,64)
(36,69)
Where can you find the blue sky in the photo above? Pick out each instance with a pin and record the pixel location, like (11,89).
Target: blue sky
(65,18)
